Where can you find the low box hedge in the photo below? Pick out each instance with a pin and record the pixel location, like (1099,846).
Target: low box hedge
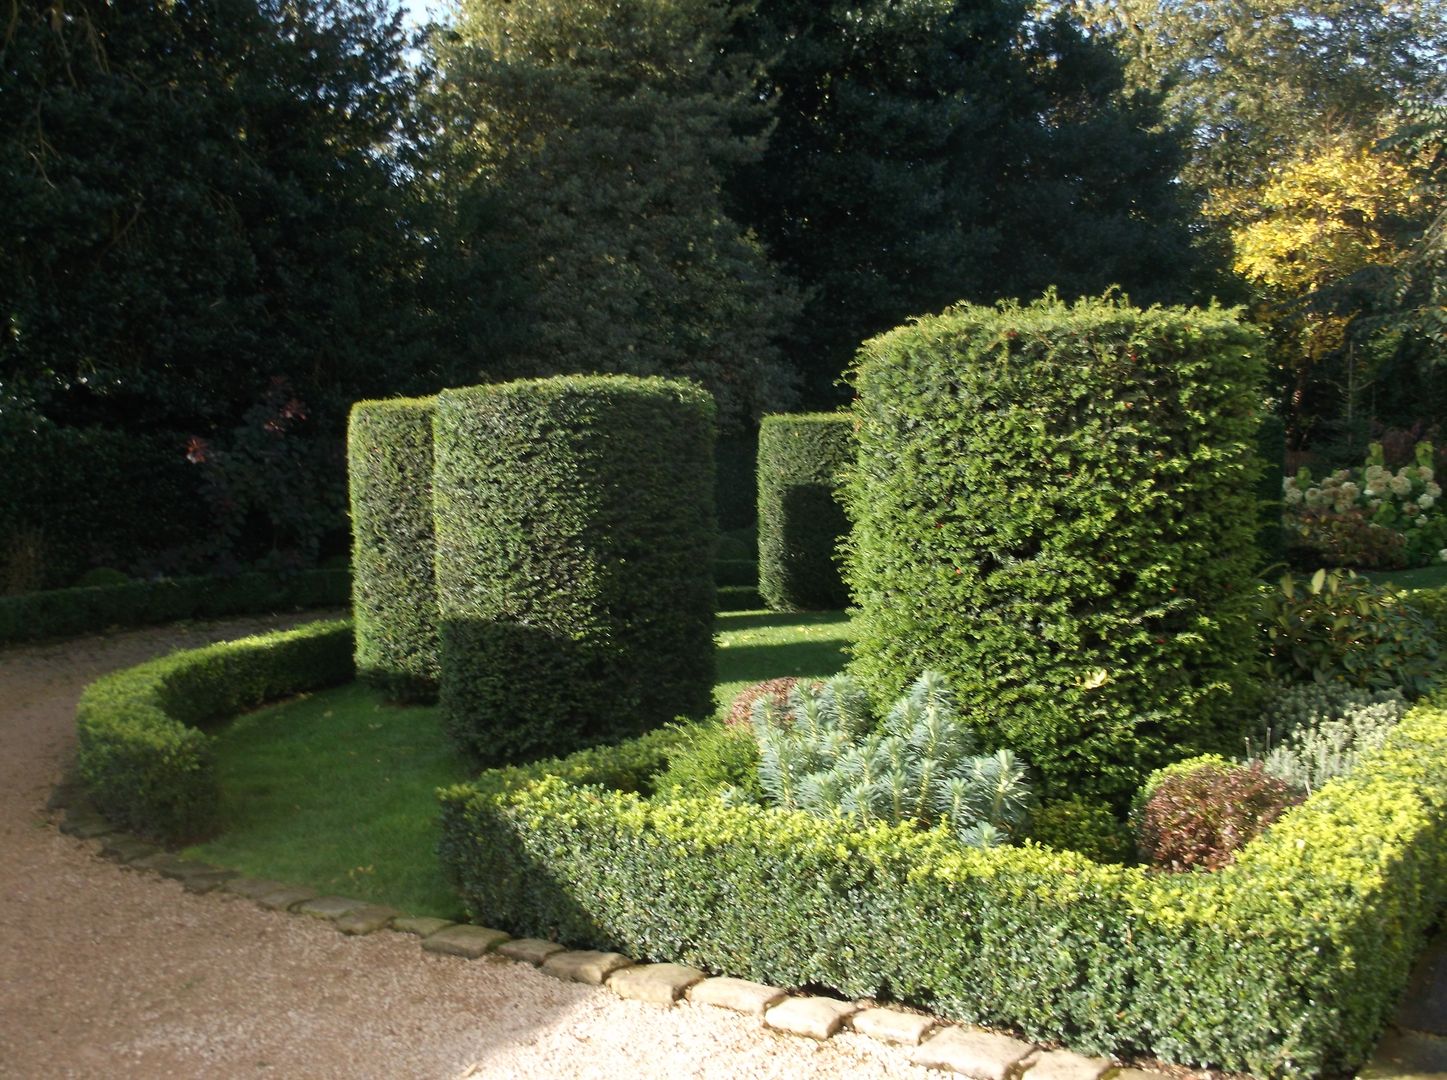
(68,612)
(140,752)
(1287,963)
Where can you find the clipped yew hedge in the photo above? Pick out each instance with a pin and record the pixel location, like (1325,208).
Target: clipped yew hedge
(575,536)
(1286,964)
(140,751)
(394,593)
(53,613)
(801,458)
(1055,506)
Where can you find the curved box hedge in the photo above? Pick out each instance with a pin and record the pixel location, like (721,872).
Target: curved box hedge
(801,459)
(394,592)
(67,612)
(1286,964)
(1055,506)
(575,537)
(140,751)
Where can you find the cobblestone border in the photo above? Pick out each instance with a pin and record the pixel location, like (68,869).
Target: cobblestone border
(926,1040)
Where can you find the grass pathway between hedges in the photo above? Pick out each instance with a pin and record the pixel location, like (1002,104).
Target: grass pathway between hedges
(335,790)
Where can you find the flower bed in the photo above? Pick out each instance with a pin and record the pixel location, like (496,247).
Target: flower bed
(1285,963)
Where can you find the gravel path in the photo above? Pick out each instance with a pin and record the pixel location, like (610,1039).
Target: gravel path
(108,972)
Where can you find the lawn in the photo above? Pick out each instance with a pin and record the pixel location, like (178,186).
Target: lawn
(1427,577)
(335,790)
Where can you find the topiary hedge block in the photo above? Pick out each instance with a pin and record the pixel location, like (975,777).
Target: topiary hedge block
(575,535)
(139,752)
(801,523)
(1286,964)
(1055,507)
(394,591)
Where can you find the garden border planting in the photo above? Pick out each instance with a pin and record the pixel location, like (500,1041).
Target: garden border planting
(67,612)
(1287,963)
(145,762)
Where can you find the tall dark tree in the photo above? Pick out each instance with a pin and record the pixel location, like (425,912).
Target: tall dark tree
(937,150)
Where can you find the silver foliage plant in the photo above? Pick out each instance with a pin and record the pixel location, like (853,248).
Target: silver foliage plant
(1310,734)
(824,754)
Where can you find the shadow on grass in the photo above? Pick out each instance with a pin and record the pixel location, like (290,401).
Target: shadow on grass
(754,663)
(727,622)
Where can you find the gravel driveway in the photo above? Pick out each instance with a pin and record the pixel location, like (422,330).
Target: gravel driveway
(107,972)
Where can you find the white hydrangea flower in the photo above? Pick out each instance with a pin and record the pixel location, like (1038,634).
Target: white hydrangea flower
(1433,490)
(1425,501)
(1442,555)
(1426,473)
(1293,497)
(1400,485)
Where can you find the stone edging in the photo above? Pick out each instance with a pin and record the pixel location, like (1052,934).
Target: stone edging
(928,1040)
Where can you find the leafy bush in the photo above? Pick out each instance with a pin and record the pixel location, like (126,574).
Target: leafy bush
(1271,533)
(741,711)
(709,758)
(801,522)
(67,612)
(575,538)
(1055,507)
(394,591)
(102,575)
(1372,517)
(1431,604)
(827,755)
(1199,819)
(1194,968)
(1087,826)
(1340,628)
(146,766)
(1311,733)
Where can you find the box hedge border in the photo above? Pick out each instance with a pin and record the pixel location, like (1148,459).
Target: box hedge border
(1287,963)
(57,613)
(140,751)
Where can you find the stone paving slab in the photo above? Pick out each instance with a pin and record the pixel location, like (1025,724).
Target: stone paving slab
(205,881)
(464,940)
(980,1055)
(740,995)
(812,1017)
(86,826)
(530,950)
(329,907)
(286,897)
(253,888)
(1407,1055)
(661,984)
(893,1025)
(367,920)
(1139,1074)
(1065,1065)
(585,966)
(421,925)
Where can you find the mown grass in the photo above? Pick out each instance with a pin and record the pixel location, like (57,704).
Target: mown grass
(1426,577)
(335,790)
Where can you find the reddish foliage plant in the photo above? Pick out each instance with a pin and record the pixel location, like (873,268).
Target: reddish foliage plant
(1200,819)
(741,712)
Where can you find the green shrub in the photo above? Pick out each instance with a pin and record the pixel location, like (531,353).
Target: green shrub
(102,575)
(739,544)
(575,537)
(1285,964)
(139,751)
(736,572)
(826,754)
(1312,733)
(1199,819)
(1055,507)
(68,612)
(74,498)
(394,592)
(1340,628)
(1087,826)
(710,758)
(1271,447)
(1432,605)
(801,522)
